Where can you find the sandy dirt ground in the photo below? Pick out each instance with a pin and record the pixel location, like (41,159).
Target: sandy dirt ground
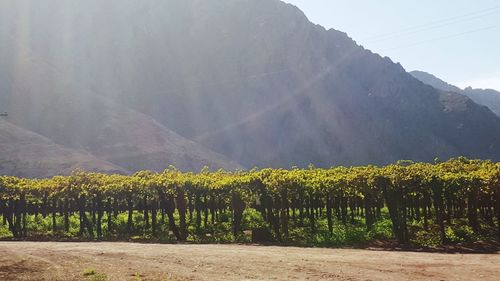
(126,261)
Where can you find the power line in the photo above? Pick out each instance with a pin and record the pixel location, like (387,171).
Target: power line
(444,37)
(415,31)
(438,23)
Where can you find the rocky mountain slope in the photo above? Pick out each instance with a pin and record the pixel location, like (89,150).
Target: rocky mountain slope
(486,97)
(26,154)
(74,117)
(138,83)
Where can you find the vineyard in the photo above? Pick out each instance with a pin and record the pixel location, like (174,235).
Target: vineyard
(444,202)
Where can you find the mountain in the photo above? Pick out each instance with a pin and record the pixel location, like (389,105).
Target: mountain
(26,154)
(75,117)
(486,97)
(252,80)
(48,98)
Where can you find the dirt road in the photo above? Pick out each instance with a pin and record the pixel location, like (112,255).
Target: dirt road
(125,261)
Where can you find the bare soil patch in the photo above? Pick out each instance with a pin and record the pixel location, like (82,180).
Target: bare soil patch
(124,261)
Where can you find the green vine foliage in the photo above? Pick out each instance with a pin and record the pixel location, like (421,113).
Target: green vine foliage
(415,196)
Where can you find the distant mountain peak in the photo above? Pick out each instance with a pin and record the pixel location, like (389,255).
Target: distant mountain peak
(486,97)
(431,80)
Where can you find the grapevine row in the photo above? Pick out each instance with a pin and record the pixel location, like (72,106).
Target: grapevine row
(434,194)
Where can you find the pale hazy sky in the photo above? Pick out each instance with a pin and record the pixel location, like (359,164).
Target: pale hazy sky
(456,40)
